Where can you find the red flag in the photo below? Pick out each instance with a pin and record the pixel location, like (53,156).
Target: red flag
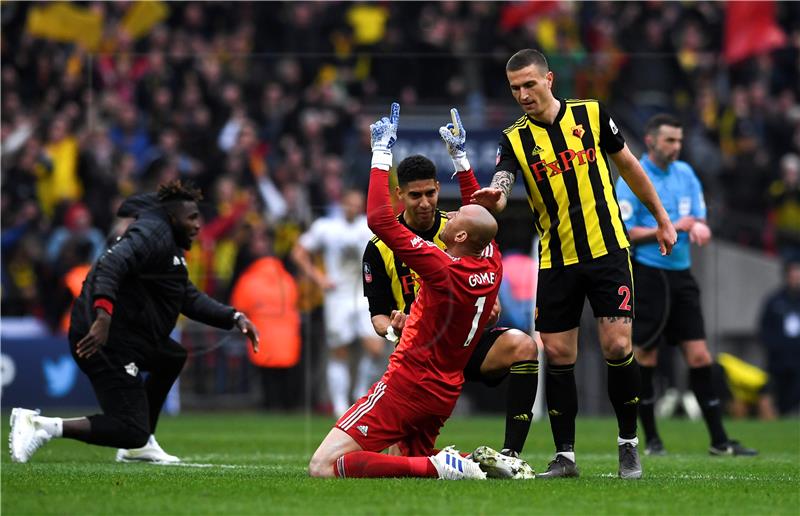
(515,14)
(750,29)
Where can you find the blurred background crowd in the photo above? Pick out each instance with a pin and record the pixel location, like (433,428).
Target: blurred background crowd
(266,107)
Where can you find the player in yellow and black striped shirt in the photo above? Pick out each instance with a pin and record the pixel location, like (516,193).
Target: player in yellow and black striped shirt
(562,147)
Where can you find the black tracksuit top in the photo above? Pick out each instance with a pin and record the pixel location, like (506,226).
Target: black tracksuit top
(143,273)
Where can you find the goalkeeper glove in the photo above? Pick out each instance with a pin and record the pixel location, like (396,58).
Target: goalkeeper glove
(383,135)
(455,138)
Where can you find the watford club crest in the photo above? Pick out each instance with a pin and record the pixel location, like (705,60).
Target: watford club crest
(578,131)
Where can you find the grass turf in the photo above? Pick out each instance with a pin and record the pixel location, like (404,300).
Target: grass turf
(255,463)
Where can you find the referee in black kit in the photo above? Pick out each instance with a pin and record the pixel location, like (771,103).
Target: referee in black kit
(120,327)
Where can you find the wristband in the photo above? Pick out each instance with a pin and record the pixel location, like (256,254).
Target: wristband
(236,316)
(461,164)
(382,159)
(105,305)
(391,336)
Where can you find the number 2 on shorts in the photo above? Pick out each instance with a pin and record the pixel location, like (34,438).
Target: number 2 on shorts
(626,300)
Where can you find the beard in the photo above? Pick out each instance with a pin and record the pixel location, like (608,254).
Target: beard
(183,240)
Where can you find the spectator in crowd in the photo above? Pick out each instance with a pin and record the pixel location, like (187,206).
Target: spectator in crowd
(779,327)
(63,181)
(77,227)
(784,204)
(129,134)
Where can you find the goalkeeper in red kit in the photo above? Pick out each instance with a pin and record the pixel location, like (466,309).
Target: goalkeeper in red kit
(419,389)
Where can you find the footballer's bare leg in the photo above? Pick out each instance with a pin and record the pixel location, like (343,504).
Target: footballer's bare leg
(615,336)
(336,444)
(510,347)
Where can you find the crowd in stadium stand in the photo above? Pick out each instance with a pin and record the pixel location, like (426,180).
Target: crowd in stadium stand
(265,106)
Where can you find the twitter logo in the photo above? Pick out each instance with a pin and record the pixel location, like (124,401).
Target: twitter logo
(60,375)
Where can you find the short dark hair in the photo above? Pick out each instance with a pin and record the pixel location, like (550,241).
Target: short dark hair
(654,124)
(415,168)
(178,191)
(790,262)
(527,57)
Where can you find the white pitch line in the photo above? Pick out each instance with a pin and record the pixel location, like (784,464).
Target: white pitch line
(266,457)
(224,466)
(705,477)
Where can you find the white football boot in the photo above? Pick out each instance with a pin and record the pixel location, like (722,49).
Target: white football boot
(497,465)
(150,452)
(25,438)
(452,466)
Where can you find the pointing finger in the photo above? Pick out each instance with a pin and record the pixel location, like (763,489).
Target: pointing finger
(394,118)
(456,121)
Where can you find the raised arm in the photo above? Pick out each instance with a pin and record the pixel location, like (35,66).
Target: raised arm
(424,257)
(455,139)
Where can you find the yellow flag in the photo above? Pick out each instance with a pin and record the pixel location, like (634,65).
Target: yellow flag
(66,22)
(142,16)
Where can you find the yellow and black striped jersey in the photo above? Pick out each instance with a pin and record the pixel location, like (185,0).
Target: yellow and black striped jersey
(567,176)
(388,282)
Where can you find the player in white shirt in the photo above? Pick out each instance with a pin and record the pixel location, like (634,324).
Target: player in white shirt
(341,240)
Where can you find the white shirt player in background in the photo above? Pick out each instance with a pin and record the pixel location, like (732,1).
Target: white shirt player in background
(341,239)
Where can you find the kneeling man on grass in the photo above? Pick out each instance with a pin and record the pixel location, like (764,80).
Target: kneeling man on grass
(120,326)
(419,389)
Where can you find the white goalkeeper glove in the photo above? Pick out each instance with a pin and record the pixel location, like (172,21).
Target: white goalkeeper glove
(455,138)
(383,135)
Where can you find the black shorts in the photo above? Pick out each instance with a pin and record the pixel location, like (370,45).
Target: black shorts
(606,281)
(668,307)
(472,373)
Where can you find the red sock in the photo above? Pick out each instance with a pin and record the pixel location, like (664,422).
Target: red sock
(365,464)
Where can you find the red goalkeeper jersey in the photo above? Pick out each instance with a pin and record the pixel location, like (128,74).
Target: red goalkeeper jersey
(451,309)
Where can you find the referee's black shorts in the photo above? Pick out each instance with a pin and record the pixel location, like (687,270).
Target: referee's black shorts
(606,281)
(667,307)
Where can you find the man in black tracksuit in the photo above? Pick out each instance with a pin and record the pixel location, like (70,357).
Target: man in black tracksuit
(120,327)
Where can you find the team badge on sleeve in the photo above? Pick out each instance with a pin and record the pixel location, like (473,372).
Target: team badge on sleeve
(497,158)
(613,126)
(367,273)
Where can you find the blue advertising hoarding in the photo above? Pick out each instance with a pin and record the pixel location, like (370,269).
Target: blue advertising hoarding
(39,372)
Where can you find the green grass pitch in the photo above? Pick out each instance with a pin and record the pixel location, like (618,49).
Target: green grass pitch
(255,463)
